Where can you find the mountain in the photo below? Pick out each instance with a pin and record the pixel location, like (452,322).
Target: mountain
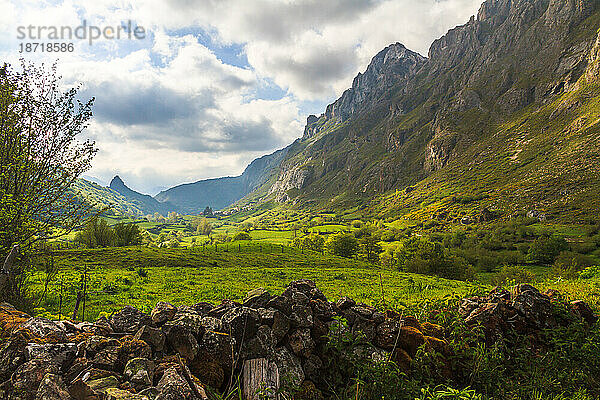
(145,203)
(104,198)
(503,113)
(219,193)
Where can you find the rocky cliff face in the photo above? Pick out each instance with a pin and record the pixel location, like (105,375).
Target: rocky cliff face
(408,117)
(390,68)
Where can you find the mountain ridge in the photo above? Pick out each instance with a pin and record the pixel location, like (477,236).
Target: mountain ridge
(514,56)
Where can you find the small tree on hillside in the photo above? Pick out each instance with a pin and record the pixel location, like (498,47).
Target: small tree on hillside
(204,227)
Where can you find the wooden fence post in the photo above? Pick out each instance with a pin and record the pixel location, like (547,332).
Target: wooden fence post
(261,380)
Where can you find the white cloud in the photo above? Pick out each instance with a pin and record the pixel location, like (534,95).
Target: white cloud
(169,110)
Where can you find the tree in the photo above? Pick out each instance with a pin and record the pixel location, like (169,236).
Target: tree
(204,227)
(40,156)
(127,234)
(546,248)
(342,244)
(370,248)
(313,242)
(208,212)
(40,160)
(96,233)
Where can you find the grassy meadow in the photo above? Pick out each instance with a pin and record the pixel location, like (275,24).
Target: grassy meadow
(142,276)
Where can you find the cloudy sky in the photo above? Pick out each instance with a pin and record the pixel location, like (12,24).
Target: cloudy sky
(216,83)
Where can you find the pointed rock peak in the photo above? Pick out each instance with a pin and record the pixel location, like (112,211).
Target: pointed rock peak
(117,183)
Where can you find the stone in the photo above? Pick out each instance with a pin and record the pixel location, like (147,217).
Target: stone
(97,343)
(42,327)
(214,324)
(129,320)
(83,389)
(402,359)
(301,342)
(173,386)
(189,319)
(368,352)
(153,336)
(107,358)
(438,345)
(365,327)
(267,315)
(312,366)
(290,367)
(281,303)
(12,355)
(410,339)
(386,334)
(257,298)
(584,311)
(308,391)
(52,388)
(140,372)
(322,310)
(281,326)
(301,316)
(61,354)
(181,340)
(162,313)
(345,303)
(261,345)
(243,321)
(412,322)
(203,308)
(118,394)
(535,307)
(433,330)
(363,311)
(151,393)
(27,378)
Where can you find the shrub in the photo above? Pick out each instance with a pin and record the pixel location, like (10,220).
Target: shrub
(242,236)
(513,273)
(590,272)
(96,233)
(312,242)
(546,248)
(357,223)
(127,234)
(569,264)
(342,244)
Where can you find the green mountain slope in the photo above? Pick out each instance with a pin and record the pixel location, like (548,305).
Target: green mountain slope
(118,200)
(504,113)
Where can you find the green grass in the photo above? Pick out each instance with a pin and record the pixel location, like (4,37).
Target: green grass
(187,276)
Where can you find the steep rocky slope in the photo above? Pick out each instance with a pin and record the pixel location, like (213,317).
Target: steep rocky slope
(498,111)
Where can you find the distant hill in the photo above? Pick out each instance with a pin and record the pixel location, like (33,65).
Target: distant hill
(120,200)
(193,198)
(144,202)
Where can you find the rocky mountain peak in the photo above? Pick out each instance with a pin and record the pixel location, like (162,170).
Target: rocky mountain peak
(389,67)
(392,66)
(117,184)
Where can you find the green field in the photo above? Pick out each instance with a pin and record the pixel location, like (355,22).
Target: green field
(188,276)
